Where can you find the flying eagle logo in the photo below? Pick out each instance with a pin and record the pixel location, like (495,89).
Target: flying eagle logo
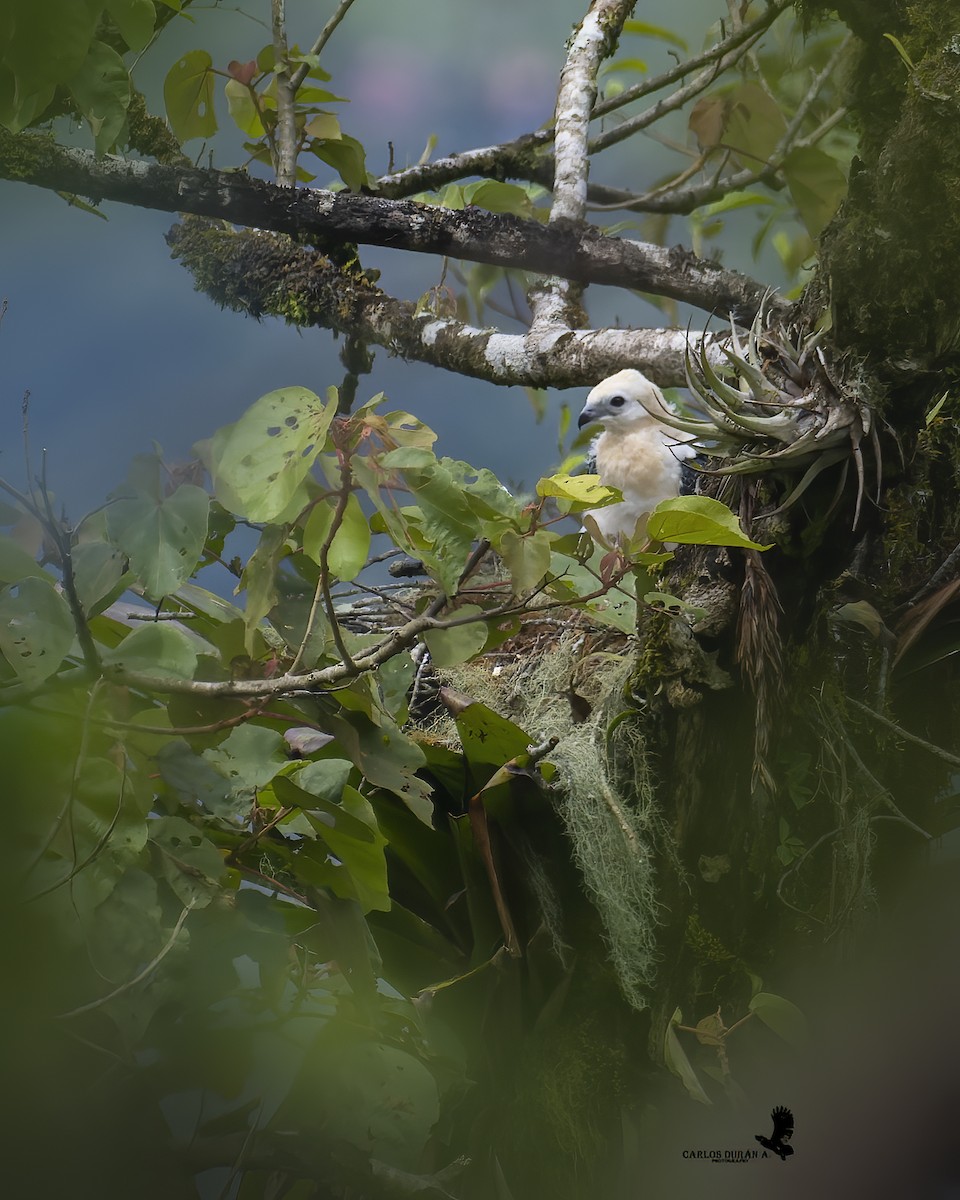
(779,1140)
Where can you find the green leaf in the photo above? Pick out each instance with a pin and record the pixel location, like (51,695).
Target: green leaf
(36,629)
(351,543)
(754,124)
(102,91)
(135,19)
(98,569)
(260,578)
(16,563)
(259,462)
(325,778)
(324,126)
(374,1097)
(161,536)
(47,44)
(586,491)
(488,740)
(499,197)
(901,50)
(644,29)
(527,558)
(675,1058)
(191,864)
(816,184)
(349,832)
(188,95)
(243,108)
(783,1017)
(734,200)
(451,646)
(347,157)
(156,648)
(700,521)
(386,758)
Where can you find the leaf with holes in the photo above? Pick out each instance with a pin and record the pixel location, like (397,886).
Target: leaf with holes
(259,462)
(36,629)
(188,95)
(191,864)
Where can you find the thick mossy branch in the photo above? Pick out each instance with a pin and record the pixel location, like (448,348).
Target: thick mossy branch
(891,254)
(265,274)
(472,234)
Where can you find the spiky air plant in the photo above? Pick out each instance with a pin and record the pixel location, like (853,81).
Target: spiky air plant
(788,411)
(775,406)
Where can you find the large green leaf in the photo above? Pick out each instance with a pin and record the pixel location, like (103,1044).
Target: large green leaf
(188,95)
(700,521)
(156,648)
(97,574)
(348,832)
(162,536)
(456,645)
(782,1016)
(16,563)
(101,89)
(386,757)
(817,185)
(372,1096)
(580,490)
(351,543)
(260,579)
(135,19)
(259,462)
(190,863)
(36,628)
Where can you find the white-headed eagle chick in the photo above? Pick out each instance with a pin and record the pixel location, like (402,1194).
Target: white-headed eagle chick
(636,452)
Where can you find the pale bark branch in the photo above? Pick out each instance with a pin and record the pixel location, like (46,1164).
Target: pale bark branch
(262,274)
(298,76)
(556,303)
(286,134)
(519,159)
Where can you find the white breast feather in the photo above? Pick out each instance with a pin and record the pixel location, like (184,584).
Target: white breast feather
(645,465)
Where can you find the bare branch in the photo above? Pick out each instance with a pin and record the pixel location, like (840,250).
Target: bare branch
(518,159)
(297,78)
(721,49)
(626,129)
(343,217)
(671,199)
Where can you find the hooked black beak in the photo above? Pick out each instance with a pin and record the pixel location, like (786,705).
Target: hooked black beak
(585,418)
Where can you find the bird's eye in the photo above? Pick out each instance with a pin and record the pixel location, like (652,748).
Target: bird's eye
(617,402)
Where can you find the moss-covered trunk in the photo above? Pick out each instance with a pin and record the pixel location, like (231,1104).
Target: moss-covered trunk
(793,807)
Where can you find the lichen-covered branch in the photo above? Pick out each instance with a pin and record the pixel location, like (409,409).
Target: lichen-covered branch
(263,274)
(344,217)
(557,302)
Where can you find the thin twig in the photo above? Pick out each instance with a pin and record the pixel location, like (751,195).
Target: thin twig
(938,751)
(303,69)
(131,983)
(322,592)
